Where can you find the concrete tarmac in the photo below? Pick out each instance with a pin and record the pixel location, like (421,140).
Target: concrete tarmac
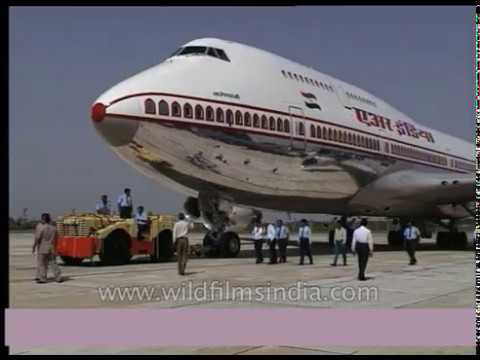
(441,279)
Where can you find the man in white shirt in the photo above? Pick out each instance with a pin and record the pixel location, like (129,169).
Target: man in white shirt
(180,232)
(103,207)
(411,234)
(362,245)
(141,219)
(125,205)
(258,234)
(304,234)
(272,243)
(340,238)
(282,238)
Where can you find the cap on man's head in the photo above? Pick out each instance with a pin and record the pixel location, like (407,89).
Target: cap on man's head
(181,216)
(364,222)
(127,190)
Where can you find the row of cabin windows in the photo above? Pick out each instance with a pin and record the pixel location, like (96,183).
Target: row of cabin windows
(463,165)
(304,79)
(418,154)
(218,115)
(345,137)
(361,99)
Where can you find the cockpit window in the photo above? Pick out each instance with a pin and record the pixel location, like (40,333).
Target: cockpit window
(222,55)
(202,50)
(193,50)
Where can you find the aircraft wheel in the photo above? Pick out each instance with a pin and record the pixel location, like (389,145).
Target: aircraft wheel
(163,247)
(116,248)
(230,244)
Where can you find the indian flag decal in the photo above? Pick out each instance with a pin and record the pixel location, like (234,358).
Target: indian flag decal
(310,100)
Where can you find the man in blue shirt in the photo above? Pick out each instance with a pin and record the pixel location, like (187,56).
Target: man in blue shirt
(411,234)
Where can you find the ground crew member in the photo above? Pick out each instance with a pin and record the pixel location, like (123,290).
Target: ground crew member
(340,237)
(103,207)
(304,234)
(411,234)
(45,241)
(282,238)
(125,205)
(141,219)
(180,232)
(272,243)
(258,235)
(362,244)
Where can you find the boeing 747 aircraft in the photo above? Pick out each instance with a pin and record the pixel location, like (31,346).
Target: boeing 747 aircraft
(237,128)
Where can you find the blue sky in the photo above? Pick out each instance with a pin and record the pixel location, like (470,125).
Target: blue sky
(419,59)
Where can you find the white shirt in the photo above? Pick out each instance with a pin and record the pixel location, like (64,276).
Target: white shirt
(271,232)
(281,232)
(411,233)
(124,200)
(141,219)
(304,232)
(364,236)
(180,229)
(257,233)
(102,208)
(340,234)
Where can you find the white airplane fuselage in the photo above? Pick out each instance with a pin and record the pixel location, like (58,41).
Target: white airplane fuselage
(263,131)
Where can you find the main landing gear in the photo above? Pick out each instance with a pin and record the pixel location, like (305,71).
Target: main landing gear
(216,212)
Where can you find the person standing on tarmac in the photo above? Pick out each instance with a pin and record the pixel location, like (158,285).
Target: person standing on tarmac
(340,238)
(125,205)
(45,241)
(180,232)
(362,245)
(282,237)
(258,235)
(272,243)
(304,234)
(411,234)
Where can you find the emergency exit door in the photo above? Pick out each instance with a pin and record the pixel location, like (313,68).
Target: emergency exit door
(298,140)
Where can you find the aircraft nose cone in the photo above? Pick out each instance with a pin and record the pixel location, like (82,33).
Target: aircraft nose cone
(98,112)
(116,130)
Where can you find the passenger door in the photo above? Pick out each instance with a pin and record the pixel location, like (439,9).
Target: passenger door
(298,140)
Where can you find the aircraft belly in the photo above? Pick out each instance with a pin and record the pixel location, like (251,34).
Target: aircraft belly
(253,170)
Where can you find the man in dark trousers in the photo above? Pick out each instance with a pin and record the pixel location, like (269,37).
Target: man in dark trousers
(411,235)
(304,234)
(362,245)
(125,205)
(282,238)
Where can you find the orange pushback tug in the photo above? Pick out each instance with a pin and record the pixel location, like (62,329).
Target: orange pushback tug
(112,238)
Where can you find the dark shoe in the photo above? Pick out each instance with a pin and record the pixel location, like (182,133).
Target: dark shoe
(344,264)
(333,264)
(300,263)
(40,281)
(59,280)
(272,263)
(311,262)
